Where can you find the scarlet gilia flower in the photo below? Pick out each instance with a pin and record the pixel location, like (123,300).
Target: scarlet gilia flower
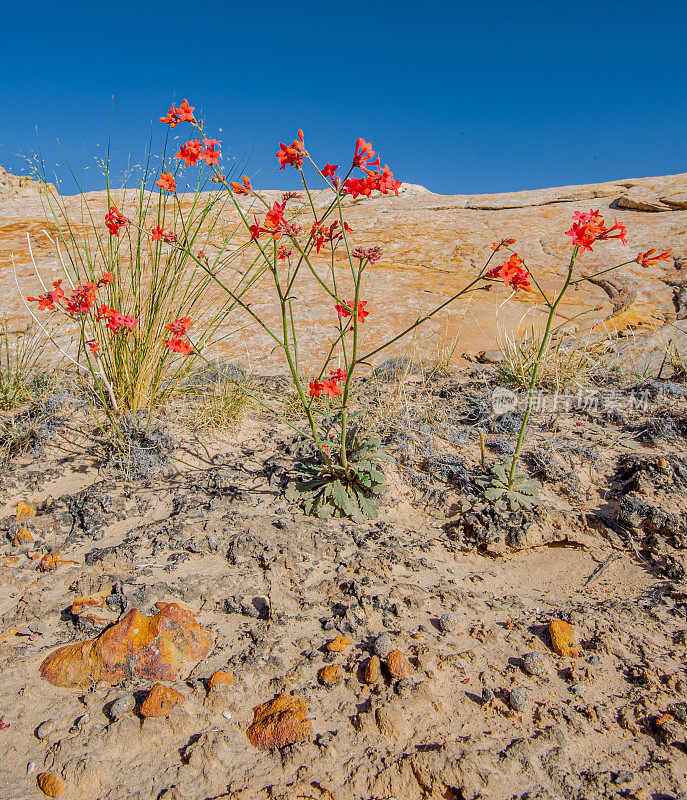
(513,273)
(315,389)
(176,115)
(106,278)
(370,254)
(364,155)
(652,257)
(115,220)
(118,322)
(286,196)
(330,388)
(503,243)
(590,228)
(283,253)
(246,189)
(190,152)
(219,178)
(178,345)
(93,346)
(338,374)
(383,182)
(210,155)
(159,234)
(82,299)
(179,327)
(293,154)
(347,310)
(166,181)
(255,229)
(321,233)
(49,301)
(275,217)
(329,169)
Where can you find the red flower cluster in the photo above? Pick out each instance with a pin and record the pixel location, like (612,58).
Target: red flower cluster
(179,329)
(166,181)
(293,154)
(50,299)
(114,220)
(513,273)
(590,228)
(116,321)
(159,234)
(193,150)
(374,179)
(651,257)
(503,243)
(321,233)
(176,115)
(284,252)
(370,254)
(329,387)
(347,310)
(245,189)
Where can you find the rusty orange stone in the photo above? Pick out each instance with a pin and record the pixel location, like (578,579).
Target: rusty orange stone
(563,639)
(398,665)
(51,784)
(220,678)
(24,511)
(90,602)
(22,536)
(160,701)
(373,671)
(331,675)
(279,722)
(339,644)
(154,648)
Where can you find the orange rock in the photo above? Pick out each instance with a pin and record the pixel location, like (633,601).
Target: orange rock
(373,671)
(92,601)
(51,561)
(221,678)
(160,701)
(279,722)
(155,648)
(399,666)
(51,784)
(10,560)
(563,639)
(22,536)
(339,644)
(331,675)
(24,511)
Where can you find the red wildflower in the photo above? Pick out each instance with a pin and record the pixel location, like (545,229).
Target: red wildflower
(255,229)
(338,374)
(648,259)
(290,196)
(185,112)
(190,152)
(82,298)
(275,217)
(370,254)
(330,388)
(513,273)
(178,345)
(345,311)
(590,227)
(107,277)
(386,182)
(172,119)
(159,234)
(219,178)
(211,156)
(166,181)
(321,233)
(117,322)
(50,299)
(93,346)
(316,389)
(364,154)
(179,327)
(245,189)
(114,220)
(293,154)
(283,253)
(503,243)
(329,169)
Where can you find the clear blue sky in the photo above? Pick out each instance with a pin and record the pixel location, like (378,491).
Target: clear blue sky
(462,97)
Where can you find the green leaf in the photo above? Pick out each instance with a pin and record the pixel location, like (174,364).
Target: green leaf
(340,495)
(368,507)
(291,493)
(493,493)
(325,511)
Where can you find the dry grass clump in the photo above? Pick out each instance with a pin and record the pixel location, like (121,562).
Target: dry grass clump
(20,365)
(565,363)
(219,407)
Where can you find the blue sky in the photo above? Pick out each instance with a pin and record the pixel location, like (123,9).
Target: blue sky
(462,97)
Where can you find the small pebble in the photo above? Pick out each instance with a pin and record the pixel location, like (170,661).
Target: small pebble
(46,728)
(384,644)
(487,694)
(448,622)
(122,705)
(518,699)
(30,767)
(595,660)
(578,688)
(534,664)
(226,714)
